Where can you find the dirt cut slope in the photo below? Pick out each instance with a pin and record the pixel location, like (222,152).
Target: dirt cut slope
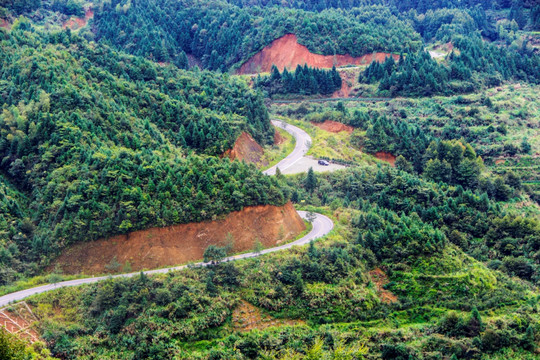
(178,244)
(333,126)
(75,23)
(380,279)
(278,138)
(19,319)
(247,317)
(247,149)
(4,24)
(386,156)
(286,52)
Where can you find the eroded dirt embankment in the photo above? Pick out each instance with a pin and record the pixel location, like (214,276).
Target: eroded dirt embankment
(75,23)
(286,52)
(386,156)
(5,24)
(247,149)
(173,245)
(333,126)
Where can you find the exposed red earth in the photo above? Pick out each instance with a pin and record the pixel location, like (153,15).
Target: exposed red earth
(333,126)
(380,279)
(79,22)
(247,149)
(278,138)
(385,156)
(4,24)
(178,244)
(19,319)
(286,52)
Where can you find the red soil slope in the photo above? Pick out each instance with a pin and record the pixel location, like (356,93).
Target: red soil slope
(247,149)
(349,78)
(385,156)
(286,52)
(247,317)
(177,244)
(4,24)
(380,279)
(19,320)
(77,23)
(278,138)
(333,126)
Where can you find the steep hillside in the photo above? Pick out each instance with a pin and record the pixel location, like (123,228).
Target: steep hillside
(247,149)
(178,244)
(115,157)
(101,143)
(222,35)
(387,280)
(286,52)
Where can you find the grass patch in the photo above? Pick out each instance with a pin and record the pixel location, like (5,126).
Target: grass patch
(335,146)
(273,154)
(35,281)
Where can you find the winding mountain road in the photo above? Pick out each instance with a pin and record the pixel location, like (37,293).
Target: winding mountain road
(303,142)
(322,225)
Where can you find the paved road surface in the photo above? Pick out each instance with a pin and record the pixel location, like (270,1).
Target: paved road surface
(303,142)
(322,225)
(306,162)
(296,162)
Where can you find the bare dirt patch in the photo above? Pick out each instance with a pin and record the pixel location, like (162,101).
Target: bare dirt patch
(247,317)
(385,156)
(19,319)
(178,244)
(194,61)
(333,126)
(380,279)
(286,52)
(500,161)
(75,23)
(278,138)
(349,78)
(5,24)
(247,149)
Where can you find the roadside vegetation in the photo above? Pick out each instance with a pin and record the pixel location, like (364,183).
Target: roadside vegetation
(122,125)
(500,125)
(277,152)
(424,288)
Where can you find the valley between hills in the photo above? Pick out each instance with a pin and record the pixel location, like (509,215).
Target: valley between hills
(261,179)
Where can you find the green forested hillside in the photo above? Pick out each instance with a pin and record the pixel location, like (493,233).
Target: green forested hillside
(436,303)
(474,64)
(104,130)
(102,143)
(304,80)
(497,123)
(222,35)
(470,220)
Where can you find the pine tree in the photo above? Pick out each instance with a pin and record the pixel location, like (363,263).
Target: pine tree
(275,75)
(310,182)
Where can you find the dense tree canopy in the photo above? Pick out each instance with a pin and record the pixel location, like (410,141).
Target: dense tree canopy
(405,217)
(304,80)
(221,34)
(474,64)
(101,143)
